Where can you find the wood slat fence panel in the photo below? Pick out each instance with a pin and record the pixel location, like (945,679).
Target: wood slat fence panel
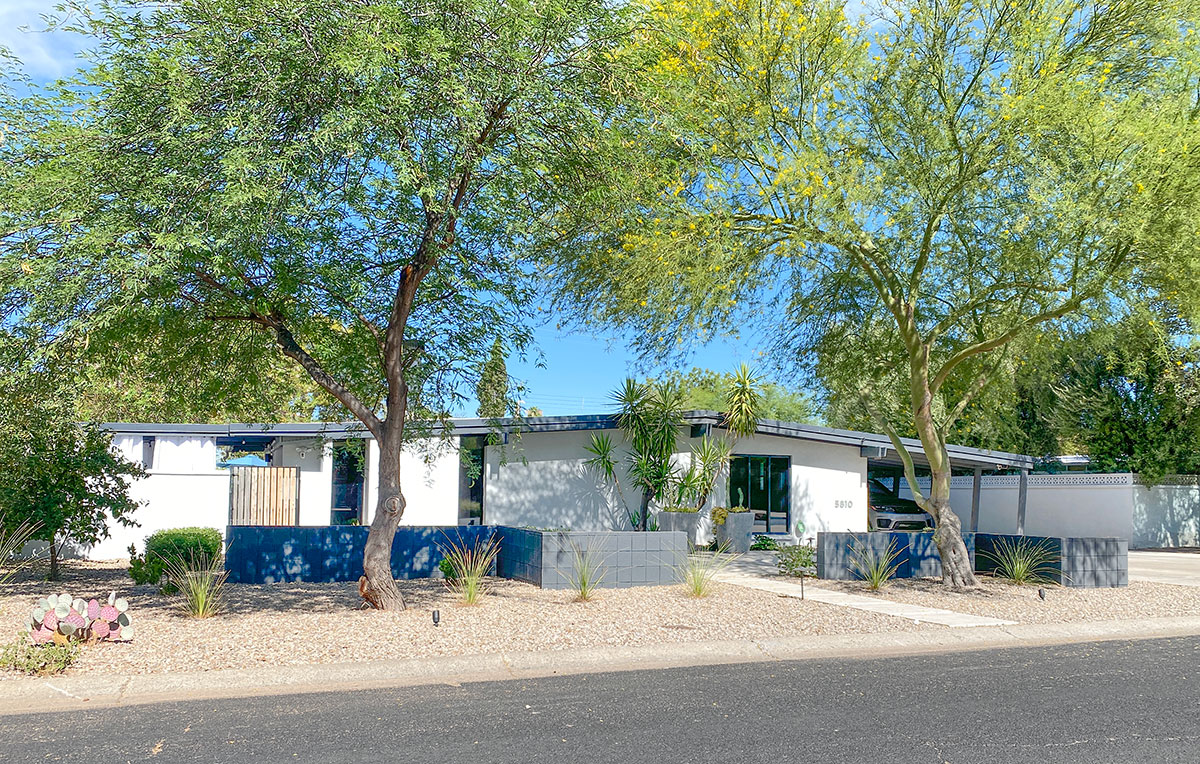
(264,496)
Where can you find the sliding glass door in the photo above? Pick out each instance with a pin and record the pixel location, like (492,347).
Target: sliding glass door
(761,484)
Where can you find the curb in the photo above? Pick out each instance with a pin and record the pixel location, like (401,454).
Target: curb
(21,696)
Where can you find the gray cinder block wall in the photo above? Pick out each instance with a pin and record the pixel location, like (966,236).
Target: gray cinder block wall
(625,558)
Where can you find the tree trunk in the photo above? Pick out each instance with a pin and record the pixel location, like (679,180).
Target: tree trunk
(377,585)
(957,570)
(53,561)
(644,521)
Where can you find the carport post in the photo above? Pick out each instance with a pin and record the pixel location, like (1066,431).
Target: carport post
(1022,495)
(975,486)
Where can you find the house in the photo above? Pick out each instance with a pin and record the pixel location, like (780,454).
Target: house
(798,478)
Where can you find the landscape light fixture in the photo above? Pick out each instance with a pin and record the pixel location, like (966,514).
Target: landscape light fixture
(1041,594)
(436,617)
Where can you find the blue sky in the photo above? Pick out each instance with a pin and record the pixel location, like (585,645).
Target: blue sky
(577,371)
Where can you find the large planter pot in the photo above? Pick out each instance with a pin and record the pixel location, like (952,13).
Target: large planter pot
(688,522)
(736,532)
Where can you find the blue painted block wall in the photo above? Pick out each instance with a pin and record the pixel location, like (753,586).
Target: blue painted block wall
(266,555)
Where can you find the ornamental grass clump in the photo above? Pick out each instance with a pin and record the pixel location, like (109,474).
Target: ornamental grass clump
(1023,561)
(586,573)
(199,585)
(699,571)
(872,567)
(12,542)
(470,564)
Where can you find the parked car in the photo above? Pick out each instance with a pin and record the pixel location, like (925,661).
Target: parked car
(888,512)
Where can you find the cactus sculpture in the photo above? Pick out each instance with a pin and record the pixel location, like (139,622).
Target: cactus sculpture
(59,618)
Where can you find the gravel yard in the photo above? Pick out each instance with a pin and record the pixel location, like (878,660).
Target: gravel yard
(999,599)
(320,623)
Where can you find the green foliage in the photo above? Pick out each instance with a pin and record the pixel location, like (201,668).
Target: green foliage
(1022,561)
(492,389)
(200,582)
(470,564)
(447,568)
(764,544)
(587,571)
(175,548)
(60,477)
(797,560)
(720,513)
(699,571)
(686,509)
(708,390)
(24,656)
(906,196)
(872,567)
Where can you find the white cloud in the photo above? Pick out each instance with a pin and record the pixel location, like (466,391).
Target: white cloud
(45,55)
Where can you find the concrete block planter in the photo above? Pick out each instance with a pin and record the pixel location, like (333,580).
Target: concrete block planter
(1078,562)
(684,522)
(627,558)
(736,532)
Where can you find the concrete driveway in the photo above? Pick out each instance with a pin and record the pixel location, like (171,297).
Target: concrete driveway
(1182,568)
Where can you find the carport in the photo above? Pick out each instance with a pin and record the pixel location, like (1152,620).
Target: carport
(879,452)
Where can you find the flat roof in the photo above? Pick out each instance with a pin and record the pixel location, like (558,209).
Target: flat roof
(878,448)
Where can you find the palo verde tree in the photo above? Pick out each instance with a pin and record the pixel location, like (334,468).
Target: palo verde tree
(353,180)
(902,196)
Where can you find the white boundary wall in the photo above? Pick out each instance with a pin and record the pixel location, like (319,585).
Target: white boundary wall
(1164,515)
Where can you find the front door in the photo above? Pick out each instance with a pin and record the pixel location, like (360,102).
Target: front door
(761,484)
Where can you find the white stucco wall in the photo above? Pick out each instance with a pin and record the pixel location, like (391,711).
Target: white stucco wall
(314,458)
(429,480)
(1056,505)
(540,480)
(182,489)
(1168,514)
(828,483)
(543,482)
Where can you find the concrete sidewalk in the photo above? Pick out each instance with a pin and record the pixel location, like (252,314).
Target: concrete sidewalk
(914,613)
(84,691)
(1179,568)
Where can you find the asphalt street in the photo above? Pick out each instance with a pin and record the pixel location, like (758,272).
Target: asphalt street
(1130,701)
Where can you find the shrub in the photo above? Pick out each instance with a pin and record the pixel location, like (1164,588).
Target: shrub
(196,547)
(721,512)
(199,583)
(447,568)
(764,544)
(799,560)
(29,658)
(586,573)
(59,619)
(1022,561)
(700,569)
(470,566)
(681,508)
(872,567)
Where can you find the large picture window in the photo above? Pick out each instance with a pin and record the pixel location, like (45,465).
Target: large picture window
(761,484)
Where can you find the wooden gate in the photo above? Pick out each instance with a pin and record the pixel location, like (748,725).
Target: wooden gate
(264,496)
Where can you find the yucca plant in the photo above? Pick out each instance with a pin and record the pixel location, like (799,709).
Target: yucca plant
(1023,561)
(872,567)
(471,564)
(699,571)
(199,584)
(586,573)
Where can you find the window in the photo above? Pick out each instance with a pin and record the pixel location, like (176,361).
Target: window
(470,480)
(761,484)
(348,473)
(148,452)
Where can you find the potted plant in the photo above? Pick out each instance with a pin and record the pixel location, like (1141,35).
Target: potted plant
(680,518)
(734,527)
